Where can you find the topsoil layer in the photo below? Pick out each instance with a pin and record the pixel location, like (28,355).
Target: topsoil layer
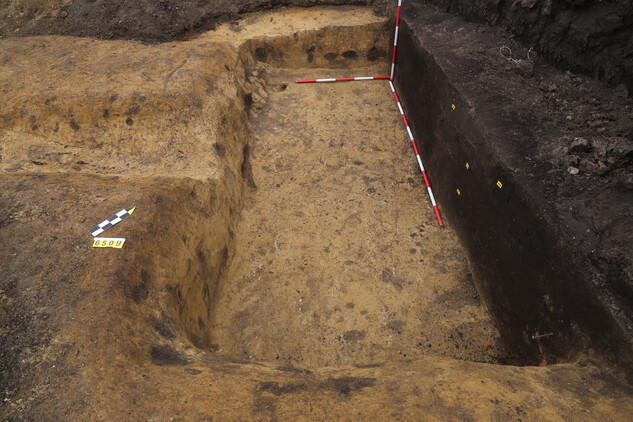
(147,21)
(592,37)
(581,35)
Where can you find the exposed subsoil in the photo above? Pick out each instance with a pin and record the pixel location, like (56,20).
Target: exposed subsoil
(338,256)
(204,139)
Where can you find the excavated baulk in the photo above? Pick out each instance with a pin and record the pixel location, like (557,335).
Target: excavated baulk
(93,338)
(177,109)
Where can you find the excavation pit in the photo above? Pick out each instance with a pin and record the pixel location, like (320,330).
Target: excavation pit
(337,257)
(284,259)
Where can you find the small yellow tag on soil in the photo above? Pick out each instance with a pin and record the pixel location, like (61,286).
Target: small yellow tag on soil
(107,242)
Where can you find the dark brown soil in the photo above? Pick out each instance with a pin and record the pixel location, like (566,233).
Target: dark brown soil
(147,21)
(588,36)
(563,146)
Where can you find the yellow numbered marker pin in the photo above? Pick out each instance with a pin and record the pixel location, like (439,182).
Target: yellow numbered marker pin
(499,184)
(108,242)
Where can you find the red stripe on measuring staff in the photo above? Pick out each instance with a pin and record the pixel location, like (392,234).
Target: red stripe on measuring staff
(426,179)
(360,78)
(418,158)
(437,214)
(417,153)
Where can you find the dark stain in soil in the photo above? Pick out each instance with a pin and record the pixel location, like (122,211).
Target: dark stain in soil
(166,355)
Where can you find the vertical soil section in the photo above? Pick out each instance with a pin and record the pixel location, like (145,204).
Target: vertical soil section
(338,259)
(504,211)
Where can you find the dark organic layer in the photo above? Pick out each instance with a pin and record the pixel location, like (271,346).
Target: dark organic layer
(593,37)
(539,262)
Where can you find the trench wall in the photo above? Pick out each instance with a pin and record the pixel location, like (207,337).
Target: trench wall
(208,240)
(522,268)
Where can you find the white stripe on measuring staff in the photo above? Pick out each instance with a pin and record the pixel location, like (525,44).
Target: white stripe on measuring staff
(420,162)
(410,134)
(432,197)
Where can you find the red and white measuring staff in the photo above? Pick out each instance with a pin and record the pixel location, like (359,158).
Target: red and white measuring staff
(395,41)
(363,78)
(417,155)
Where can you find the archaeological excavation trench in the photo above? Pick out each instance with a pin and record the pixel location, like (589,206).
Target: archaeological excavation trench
(336,258)
(284,258)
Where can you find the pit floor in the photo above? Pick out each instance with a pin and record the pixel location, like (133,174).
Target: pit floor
(338,256)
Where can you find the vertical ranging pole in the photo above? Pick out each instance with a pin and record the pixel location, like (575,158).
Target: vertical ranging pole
(417,156)
(395,40)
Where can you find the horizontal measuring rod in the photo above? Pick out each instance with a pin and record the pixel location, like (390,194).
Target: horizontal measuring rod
(116,218)
(362,78)
(417,156)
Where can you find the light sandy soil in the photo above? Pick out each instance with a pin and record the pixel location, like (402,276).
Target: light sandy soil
(338,256)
